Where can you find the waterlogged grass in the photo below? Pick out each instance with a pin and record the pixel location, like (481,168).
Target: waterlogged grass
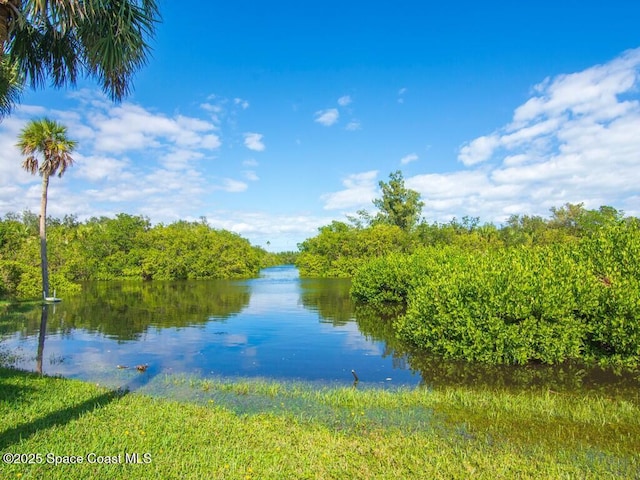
(338,407)
(260,429)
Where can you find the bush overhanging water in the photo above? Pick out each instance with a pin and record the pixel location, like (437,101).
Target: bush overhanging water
(544,303)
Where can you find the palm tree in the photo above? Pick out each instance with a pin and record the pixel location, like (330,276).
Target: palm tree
(55,41)
(49,138)
(11,85)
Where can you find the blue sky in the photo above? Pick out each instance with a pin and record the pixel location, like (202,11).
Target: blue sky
(272,119)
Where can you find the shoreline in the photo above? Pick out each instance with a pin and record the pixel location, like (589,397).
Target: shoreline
(328,433)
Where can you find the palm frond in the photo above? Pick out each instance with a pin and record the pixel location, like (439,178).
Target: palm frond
(63,13)
(113,38)
(57,40)
(48,138)
(64,161)
(30,164)
(62,57)
(26,50)
(11,85)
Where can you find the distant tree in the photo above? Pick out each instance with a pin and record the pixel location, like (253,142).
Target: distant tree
(399,205)
(577,220)
(48,138)
(59,40)
(361,219)
(524,230)
(567,217)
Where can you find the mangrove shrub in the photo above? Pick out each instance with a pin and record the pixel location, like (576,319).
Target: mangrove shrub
(509,306)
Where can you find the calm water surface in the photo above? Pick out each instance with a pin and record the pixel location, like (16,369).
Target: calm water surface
(277,326)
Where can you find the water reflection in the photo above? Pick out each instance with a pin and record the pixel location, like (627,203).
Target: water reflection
(41,336)
(377,324)
(329,298)
(276,326)
(124,311)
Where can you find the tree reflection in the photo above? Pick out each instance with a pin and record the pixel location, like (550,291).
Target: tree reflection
(377,324)
(329,297)
(126,310)
(44,314)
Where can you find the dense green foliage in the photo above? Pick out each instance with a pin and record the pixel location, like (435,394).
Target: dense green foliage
(534,290)
(281,258)
(340,249)
(575,299)
(124,247)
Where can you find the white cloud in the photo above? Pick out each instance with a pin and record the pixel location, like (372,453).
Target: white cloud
(95,168)
(209,142)
(211,107)
(232,186)
(283,231)
(531,132)
(593,92)
(244,104)
(353,125)
(215,111)
(360,190)
(130,127)
(344,100)
(401,93)
(327,117)
(412,157)
(250,163)
(265,223)
(224,110)
(251,175)
(575,140)
(478,150)
(128,159)
(179,159)
(253,141)
(11,158)
(450,185)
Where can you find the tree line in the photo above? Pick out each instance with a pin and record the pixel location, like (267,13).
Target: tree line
(123,247)
(535,289)
(342,247)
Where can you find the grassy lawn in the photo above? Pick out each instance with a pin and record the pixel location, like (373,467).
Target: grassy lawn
(297,432)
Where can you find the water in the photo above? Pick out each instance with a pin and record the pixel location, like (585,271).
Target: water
(277,326)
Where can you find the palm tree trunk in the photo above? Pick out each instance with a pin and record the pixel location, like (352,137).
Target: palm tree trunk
(8,12)
(43,235)
(5,15)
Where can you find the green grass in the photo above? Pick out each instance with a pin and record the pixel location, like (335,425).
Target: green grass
(266,430)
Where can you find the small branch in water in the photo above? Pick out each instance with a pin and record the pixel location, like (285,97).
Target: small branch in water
(355,376)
